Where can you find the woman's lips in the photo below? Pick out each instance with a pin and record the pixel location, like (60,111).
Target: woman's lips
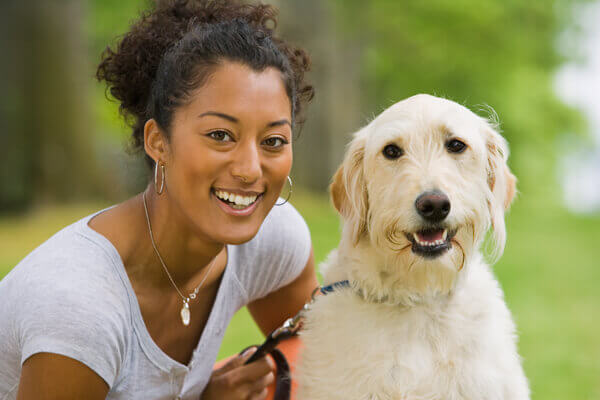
(237,212)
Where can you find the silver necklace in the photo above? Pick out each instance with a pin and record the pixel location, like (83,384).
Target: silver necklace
(185,309)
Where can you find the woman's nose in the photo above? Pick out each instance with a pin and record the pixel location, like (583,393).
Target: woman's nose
(247,164)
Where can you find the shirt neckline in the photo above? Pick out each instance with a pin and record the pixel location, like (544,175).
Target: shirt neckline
(156,355)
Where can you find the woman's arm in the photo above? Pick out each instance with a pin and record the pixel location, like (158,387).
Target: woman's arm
(272,310)
(48,376)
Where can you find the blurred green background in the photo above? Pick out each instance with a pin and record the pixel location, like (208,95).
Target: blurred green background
(63,141)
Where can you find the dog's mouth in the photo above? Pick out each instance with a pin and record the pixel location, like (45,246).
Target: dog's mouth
(431,242)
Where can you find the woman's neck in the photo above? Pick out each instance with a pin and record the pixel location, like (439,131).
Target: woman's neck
(186,256)
(185,253)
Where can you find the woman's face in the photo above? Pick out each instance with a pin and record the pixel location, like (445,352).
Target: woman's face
(230,152)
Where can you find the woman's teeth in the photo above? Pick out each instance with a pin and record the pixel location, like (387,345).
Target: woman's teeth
(237,201)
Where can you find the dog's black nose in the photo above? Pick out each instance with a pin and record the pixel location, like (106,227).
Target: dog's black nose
(434,206)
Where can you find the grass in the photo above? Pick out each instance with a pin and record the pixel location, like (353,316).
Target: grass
(549,272)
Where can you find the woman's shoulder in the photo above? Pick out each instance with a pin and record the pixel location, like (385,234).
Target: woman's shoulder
(283,224)
(66,297)
(283,233)
(74,261)
(276,255)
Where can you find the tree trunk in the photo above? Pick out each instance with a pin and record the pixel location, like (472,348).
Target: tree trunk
(335,112)
(50,134)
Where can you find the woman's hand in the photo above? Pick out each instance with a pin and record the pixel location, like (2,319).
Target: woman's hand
(236,381)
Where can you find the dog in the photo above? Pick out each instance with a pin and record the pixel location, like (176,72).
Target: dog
(423,316)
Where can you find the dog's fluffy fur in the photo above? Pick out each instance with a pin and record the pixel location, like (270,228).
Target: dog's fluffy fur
(412,326)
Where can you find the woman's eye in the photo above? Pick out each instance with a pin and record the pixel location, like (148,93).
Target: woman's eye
(275,142)
(221,136)
(455,146)
(392,152)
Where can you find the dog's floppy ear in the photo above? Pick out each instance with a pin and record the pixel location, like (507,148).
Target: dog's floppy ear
(349,192)
(501,182)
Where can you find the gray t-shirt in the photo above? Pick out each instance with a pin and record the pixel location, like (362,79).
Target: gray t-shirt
(71,296)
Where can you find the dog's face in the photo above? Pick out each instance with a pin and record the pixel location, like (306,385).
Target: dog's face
(422,183)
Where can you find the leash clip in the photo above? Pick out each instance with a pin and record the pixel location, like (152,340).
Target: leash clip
(291,325)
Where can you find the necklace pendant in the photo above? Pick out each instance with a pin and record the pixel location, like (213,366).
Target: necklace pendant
(185,314)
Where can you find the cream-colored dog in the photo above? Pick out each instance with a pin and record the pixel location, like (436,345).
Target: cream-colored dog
(424,317)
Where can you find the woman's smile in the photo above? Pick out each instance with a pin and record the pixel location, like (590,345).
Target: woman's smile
(237,203)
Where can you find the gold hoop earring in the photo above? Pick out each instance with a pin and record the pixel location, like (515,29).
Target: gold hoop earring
(162,182)
(289,194)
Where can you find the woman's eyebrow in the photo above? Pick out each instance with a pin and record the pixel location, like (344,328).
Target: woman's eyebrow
(221,115)
(279,123)
(235,120)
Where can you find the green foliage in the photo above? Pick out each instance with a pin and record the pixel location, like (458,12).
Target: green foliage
(486,52)
(107,21)
(498,53)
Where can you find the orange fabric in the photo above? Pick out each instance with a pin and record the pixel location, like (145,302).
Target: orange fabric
(291,348)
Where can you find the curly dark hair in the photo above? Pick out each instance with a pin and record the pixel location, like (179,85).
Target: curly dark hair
(173,48)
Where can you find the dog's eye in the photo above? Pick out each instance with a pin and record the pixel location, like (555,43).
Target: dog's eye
(455,146)
(392,152)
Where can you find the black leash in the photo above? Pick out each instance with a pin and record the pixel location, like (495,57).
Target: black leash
(283,381)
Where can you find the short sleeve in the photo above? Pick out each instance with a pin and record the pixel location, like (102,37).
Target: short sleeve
(76,314)
(276,255)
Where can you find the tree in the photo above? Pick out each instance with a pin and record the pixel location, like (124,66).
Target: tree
(486,52)
(50,156)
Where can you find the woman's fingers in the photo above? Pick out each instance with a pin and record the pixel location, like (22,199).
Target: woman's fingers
(262,395)
(236,373)
(254,371)
(258,388)
(235,362)
(238,381)
(262,383)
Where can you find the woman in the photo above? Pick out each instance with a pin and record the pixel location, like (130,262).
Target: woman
(133,301)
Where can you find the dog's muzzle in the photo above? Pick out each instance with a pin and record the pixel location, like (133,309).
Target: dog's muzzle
(434,238)
(433,206)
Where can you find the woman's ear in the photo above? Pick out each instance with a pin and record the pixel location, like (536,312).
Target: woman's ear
(501,182)
(155,141)
(349,192)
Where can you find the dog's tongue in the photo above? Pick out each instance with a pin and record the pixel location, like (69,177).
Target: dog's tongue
(430,236)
